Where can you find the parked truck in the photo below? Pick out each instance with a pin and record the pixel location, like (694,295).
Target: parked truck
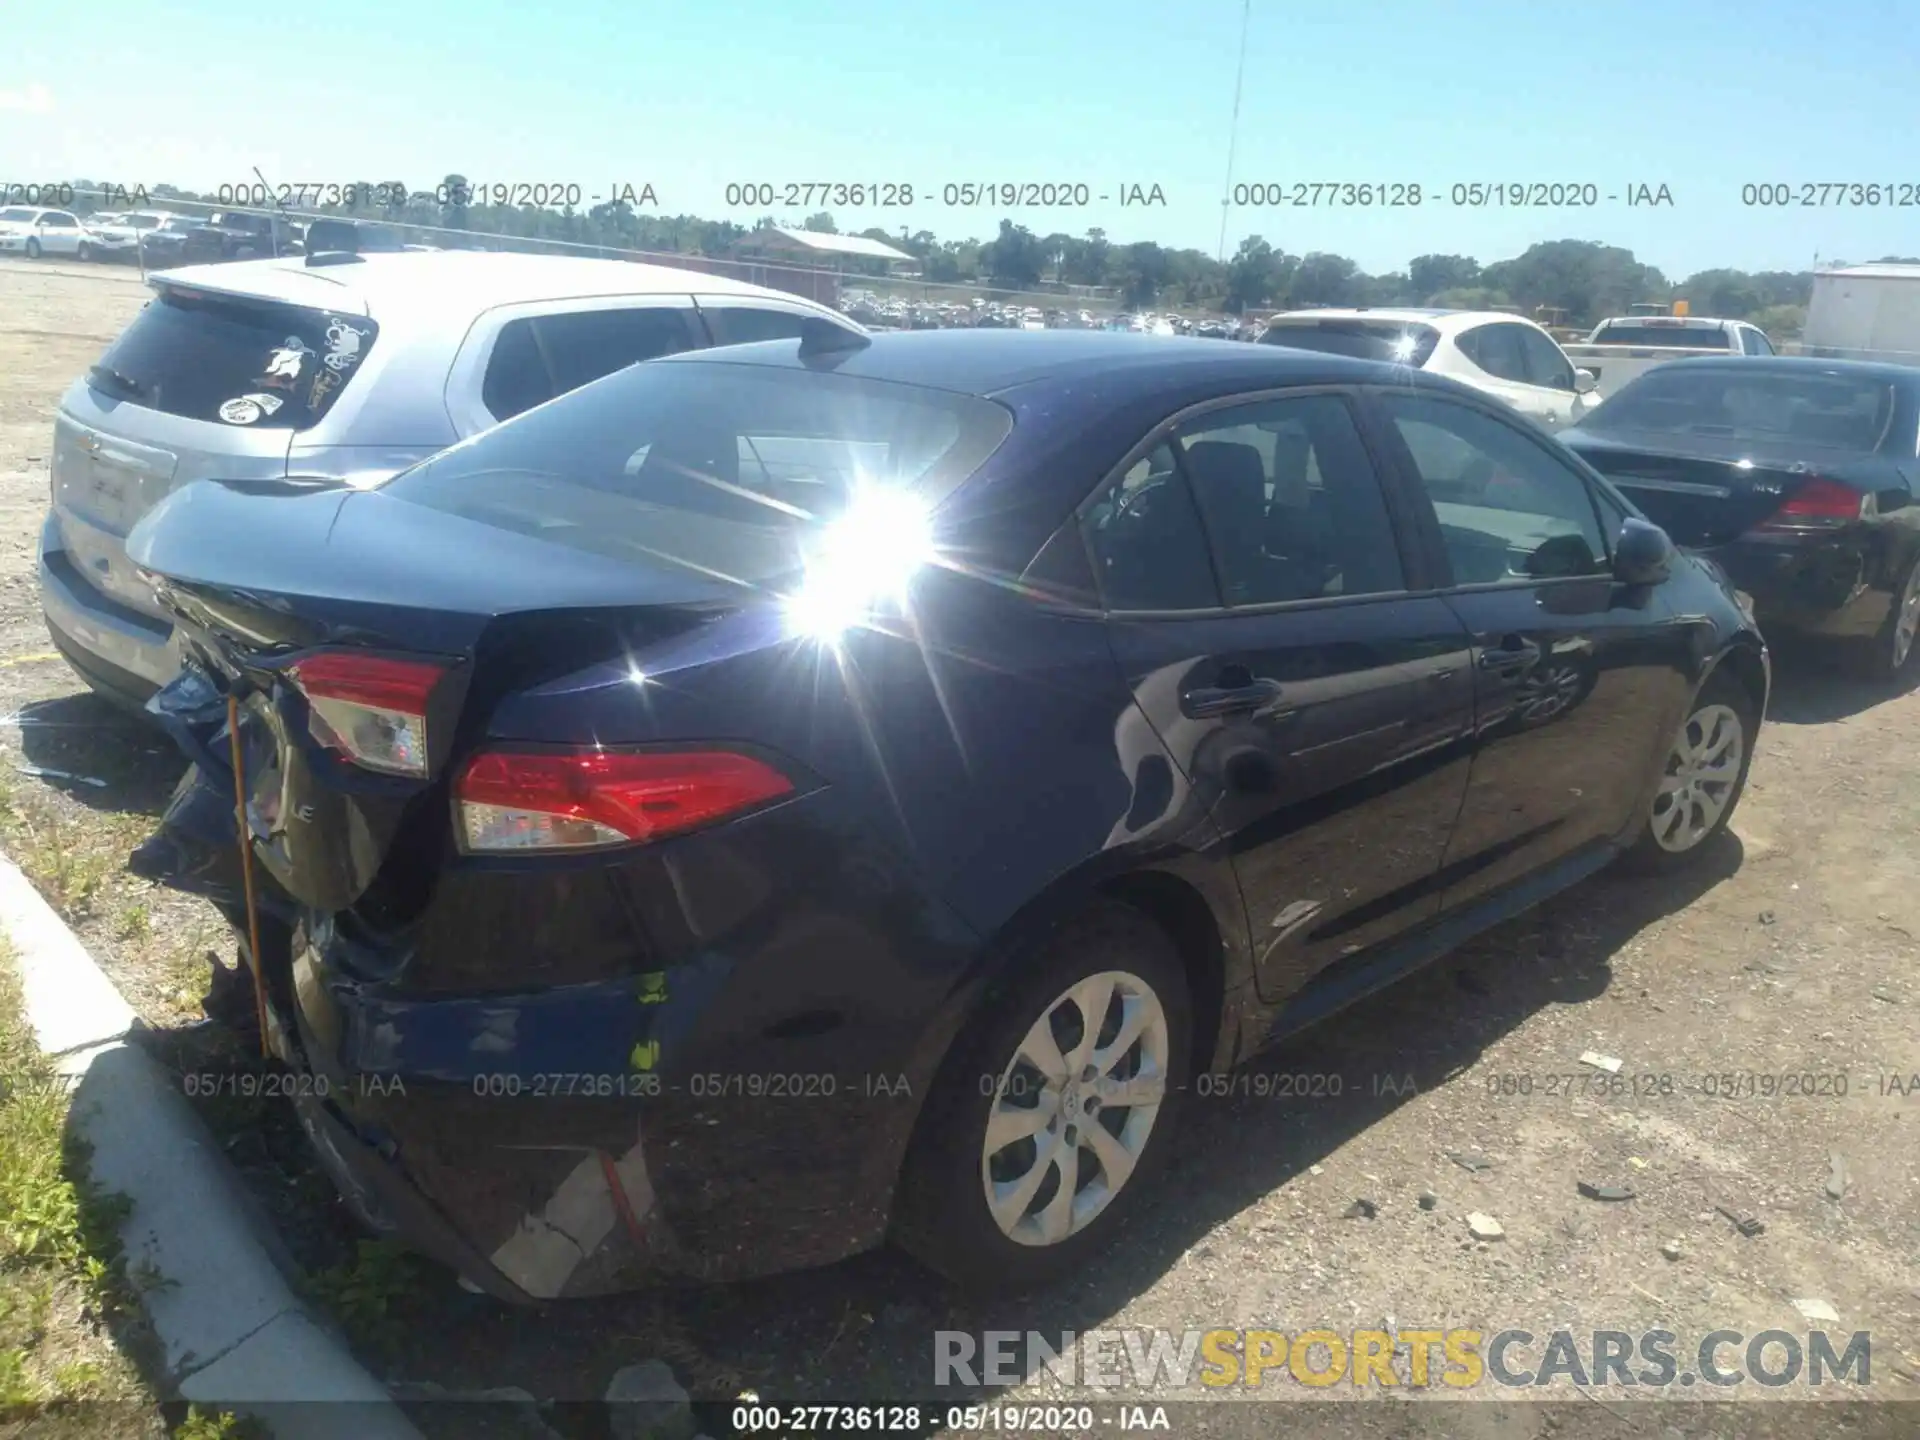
(1621,348)
(1865,312)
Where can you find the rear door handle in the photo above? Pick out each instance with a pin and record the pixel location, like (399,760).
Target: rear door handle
(1513,653)
(1210,701)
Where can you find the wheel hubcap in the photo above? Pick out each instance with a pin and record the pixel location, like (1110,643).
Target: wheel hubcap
(1908,621)
(1074,1107)
(1702,769)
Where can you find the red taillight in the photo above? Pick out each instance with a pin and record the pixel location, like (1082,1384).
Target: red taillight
(1819,505)
(585,800)
(371,709)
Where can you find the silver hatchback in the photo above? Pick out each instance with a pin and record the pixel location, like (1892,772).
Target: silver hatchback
(336,369)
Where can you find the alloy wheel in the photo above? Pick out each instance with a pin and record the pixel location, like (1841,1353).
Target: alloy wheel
(1907,620)
(1074,1107)
(1702,773)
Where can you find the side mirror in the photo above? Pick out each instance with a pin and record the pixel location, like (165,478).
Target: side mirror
(1643,555)
(1583,382)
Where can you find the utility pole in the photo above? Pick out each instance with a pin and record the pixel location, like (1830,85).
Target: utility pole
(1233,131)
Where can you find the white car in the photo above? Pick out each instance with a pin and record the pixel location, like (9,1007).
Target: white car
(337,369)
(1504,355)
(107,236)
(28,230)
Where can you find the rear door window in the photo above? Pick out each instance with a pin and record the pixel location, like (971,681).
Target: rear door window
(538,357)
(236,361)
(1497,349)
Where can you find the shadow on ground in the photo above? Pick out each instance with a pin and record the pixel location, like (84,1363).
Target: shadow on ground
(1813,686)
(80,739)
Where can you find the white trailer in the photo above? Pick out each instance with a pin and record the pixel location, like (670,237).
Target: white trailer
(1865,312)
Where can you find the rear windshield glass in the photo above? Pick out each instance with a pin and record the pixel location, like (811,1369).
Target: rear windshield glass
(725,469)
(1832,411)
(15,214)
(1666,337)
(1391,340)
(256,363)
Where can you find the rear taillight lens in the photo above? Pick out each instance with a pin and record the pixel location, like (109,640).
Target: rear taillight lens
(370,709)
(1818,505)
(513,802)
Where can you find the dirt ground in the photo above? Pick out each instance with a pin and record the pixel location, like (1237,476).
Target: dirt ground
(1791,950)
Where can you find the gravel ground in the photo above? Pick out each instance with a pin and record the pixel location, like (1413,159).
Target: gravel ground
(1791,950)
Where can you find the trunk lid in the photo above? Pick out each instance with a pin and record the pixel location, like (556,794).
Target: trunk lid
(1698,491)
(257,582)
(113,462)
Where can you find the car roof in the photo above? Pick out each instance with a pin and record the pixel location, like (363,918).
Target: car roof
(1668,322)
(462,282)
(990,363)
(1904,375)
(1446,321)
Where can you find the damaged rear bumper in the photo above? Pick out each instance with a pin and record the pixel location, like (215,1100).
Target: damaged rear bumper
(710,1069)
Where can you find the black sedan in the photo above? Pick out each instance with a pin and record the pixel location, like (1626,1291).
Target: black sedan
(1798,476)
(769,801)
(179,240)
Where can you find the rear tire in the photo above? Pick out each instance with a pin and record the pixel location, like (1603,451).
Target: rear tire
(1061,1116)
(1703,779)
(1885,658)
(33,248)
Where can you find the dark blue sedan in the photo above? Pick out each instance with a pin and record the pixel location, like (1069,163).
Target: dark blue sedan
(769,801)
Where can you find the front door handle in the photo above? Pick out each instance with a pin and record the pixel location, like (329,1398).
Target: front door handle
(1210,701)
(1513,653)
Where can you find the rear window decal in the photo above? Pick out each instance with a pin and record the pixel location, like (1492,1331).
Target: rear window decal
(247,409)
(343,345)
(325,382)
(285,361)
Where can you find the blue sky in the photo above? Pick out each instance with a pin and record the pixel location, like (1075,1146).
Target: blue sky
(1701,95)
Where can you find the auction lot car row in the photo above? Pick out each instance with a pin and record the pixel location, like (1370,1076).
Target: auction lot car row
(909,711)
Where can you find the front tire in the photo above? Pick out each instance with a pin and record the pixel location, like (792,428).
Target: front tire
(85,252)
(1703,779)
(1054,1109)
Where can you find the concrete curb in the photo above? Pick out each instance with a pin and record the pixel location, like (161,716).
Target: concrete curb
(234,1333)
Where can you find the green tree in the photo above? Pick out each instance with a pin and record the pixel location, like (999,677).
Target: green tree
(1428,275)
(455,198)
(1253,276)
(1325,279)
(821,223)
(1015,257)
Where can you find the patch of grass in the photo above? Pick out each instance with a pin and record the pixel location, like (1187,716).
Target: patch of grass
(368,1293)
(136,922)
(62,1271)
(219,1425)
(70,862)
